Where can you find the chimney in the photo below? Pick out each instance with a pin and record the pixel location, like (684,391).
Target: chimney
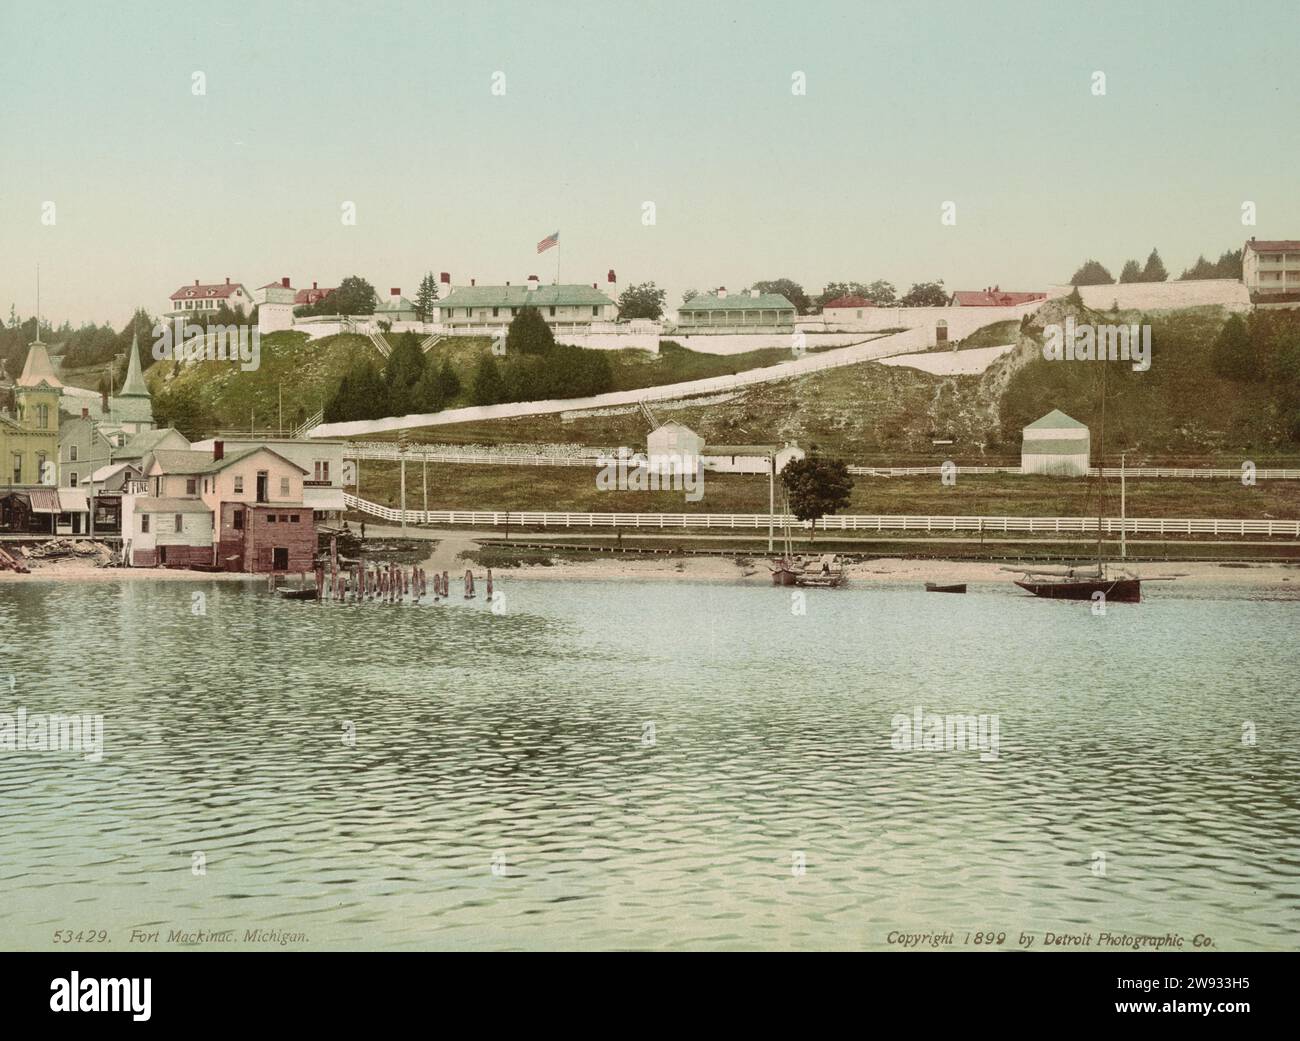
(196,281)
(473,282)
(722,292)
(532,282)
(85,412)
(103,400)
(313,285)
(445,279)
(218,451)
(395,293)
(284,282)
(227,280)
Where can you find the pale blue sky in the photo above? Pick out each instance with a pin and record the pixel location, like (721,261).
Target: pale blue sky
(611,104)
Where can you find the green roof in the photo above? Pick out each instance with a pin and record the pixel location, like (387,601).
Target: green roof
(521,296)
(1056,420)
(1055,446)
(142,444)
(740,302)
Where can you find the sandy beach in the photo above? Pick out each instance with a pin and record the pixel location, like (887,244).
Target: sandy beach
(894,570)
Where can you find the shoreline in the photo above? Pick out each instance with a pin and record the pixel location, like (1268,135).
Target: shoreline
(1284,578)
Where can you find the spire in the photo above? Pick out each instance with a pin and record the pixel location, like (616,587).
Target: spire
(37,369)
(135,386)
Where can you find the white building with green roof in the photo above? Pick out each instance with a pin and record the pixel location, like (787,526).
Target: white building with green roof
(1056,445)
(747,312)
(475,310)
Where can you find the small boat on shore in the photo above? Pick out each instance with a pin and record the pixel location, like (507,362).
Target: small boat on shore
(298,594)
(939,587)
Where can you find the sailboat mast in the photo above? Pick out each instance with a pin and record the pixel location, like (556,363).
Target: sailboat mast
(1101,470)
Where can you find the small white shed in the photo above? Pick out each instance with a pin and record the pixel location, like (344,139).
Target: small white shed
(1056,445)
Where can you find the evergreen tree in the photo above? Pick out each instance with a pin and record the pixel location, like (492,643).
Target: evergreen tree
(425,297)
(1092,273)
(529,333)
(1155,269)
(489,389)
(1131,272)
(403,371)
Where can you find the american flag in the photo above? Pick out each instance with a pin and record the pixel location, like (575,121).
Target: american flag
(551,240)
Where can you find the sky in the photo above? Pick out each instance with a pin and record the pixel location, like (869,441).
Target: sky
(607,106)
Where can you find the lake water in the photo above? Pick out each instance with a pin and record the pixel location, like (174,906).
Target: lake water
(650,765)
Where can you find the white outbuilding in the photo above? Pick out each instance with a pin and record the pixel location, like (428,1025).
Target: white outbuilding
(1056,445)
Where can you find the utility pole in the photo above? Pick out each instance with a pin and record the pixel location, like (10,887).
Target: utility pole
(771,496)
(1123,522)
(424,474)
(401,451)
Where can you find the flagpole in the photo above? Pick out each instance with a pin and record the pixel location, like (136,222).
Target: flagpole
(557,259)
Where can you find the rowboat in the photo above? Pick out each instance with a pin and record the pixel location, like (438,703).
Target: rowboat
(937,587)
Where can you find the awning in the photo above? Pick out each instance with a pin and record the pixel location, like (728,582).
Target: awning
(323,498)
(45,500)
(73,500)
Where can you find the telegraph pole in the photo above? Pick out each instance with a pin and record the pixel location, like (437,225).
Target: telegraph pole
(401,451)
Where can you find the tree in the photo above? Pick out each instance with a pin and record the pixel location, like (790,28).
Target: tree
(361,394)
(1092,274)
(489,389)
(1131,272)
(353,296)
(425,297)
(789,289)
(816,487)
(183,407)
(529,333)
(926,294)
(404,370)
(1232,354)
(1155,269)
(879,292)
(446,381)
(641,301)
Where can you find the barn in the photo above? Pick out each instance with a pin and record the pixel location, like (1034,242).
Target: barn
(1055,444)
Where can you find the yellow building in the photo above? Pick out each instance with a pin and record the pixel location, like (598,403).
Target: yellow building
(29,441)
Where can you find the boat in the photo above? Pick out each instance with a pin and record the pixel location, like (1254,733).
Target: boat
(826,571)
(298,594)
(938,587)
(1094,580)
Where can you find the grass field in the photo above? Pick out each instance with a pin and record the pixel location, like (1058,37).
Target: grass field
(482,487)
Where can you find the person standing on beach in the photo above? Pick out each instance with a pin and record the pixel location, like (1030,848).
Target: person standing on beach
(363,529)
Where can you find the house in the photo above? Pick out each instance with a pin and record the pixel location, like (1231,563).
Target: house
(83,446)
(275,304)
(314,295)
(475,309)
(848,308)
(238,512)
(395,309)
(992,297)
(1271,270)
(673,448)
(1056,445)
(208,297)
(320,458)
(750,311)
(139,446)
(29,440)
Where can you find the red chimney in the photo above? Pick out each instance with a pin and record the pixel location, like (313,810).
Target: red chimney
(284,282)
(196,281)
(610,277)
(313,285)
(218,451)
(395,292)
(227,280)
(85,412)
(445,278)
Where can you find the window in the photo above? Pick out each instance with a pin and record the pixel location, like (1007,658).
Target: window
(18,468)
(496,311)
(180,523)
(322,469)
(270,518)
(294,518)
(239,485)
(43,416)
(144,523)
(72,453)
(595,312)
(72,479)
(238,519)
(284,487)
(191,486)
(552,312)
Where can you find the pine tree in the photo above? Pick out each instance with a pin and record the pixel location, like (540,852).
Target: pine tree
(529,333)
(425,297)
(489,388)
(1155,269)
(1131,272)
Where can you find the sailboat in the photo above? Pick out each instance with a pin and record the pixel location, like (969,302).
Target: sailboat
(1084,583)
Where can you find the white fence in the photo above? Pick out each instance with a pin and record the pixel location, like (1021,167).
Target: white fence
(847,522)
(1110,471)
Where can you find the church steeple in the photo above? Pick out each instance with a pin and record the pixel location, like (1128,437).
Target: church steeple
(135,386)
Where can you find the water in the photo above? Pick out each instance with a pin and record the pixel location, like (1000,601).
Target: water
(503,789)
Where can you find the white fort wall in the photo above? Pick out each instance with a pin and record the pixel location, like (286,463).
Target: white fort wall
(1162,296)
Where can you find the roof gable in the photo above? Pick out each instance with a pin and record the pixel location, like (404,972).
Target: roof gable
(1056,420)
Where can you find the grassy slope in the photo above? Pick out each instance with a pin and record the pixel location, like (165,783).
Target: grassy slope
(1179,410)
(571,488)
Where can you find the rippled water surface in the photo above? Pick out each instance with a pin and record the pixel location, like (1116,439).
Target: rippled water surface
(505,790)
